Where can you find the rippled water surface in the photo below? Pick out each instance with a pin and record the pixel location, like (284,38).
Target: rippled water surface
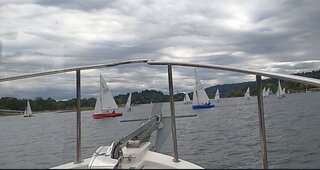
(226,136)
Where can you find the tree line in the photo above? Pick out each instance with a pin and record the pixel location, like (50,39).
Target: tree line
(147,96)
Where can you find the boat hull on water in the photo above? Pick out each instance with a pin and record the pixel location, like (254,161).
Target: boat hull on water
(202,106)
(106,115)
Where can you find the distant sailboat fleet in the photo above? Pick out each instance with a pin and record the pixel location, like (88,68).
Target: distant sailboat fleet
(106,106)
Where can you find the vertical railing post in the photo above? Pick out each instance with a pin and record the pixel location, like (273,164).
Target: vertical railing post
(262,124)
(78,89)
(173,115)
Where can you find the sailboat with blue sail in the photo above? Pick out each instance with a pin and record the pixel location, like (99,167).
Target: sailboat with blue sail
(200,97)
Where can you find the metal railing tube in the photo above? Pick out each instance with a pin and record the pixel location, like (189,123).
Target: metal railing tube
(264,158)
(78,89)
(173,120)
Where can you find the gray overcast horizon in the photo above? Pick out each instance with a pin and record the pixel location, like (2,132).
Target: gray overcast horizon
(41,35)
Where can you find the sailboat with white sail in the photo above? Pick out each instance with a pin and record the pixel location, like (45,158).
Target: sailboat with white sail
(280,93)
(186,99)
(268,91)
(247,94)
(128,104)
(200,97)
(27,111)
(217,96)
(264,92)
(105,104)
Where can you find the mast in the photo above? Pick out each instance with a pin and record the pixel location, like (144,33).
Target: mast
(196,87)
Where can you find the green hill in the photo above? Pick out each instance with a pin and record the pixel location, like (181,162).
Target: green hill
(147,96)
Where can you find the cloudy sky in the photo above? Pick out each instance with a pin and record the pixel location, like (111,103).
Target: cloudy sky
(41,35)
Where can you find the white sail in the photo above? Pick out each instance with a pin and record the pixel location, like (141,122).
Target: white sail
(280,91)
(194,98)
(128,101)
(28,111)
(284,90)
(264,92)
(98,106)
(186,98)
(199,95)
(247,94)
(268,92)
(105,99)
(217,96)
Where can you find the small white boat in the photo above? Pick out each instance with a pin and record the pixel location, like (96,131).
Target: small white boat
(280,93)
(105,104)
(247,94)
(128,103)
(186,99)
(27,111)
(217,96)
(200,98)
(268,91)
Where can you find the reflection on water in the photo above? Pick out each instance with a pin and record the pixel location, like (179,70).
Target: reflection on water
(226,136)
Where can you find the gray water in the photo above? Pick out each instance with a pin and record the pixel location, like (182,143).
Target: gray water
(226,136)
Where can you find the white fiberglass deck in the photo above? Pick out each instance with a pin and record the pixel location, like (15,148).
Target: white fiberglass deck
(137,158)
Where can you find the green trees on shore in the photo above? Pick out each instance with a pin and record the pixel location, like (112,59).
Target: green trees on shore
(147,96)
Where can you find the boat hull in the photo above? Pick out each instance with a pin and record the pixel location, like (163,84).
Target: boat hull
(202,106)
(106,115)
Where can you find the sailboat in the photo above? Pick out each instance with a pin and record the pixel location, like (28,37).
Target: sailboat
(268,91)
(284,90)
(200,97)
(27,111)
(280,93)
(247,94)
(105,103)
(186,99)
(129,102)
(264,92)
(217,96)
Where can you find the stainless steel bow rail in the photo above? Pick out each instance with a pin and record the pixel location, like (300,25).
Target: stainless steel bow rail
(258,74)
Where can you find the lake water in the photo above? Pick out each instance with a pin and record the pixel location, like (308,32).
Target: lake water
(226,136)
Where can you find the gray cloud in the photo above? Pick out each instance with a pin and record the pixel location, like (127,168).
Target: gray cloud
(279,36)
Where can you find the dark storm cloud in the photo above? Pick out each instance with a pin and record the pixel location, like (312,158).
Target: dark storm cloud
(280,36)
